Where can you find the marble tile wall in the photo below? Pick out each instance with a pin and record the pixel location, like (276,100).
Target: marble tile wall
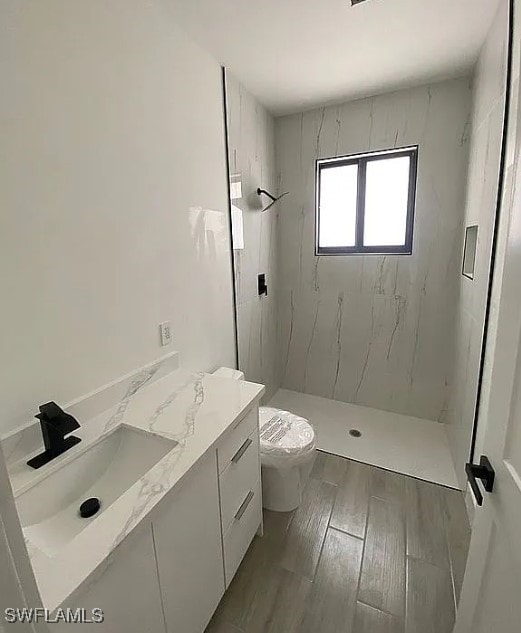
(251,143)
(375,330)
(489,87)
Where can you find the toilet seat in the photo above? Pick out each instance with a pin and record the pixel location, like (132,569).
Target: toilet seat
(286,439)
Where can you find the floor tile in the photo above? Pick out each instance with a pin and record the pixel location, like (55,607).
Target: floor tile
(255,569)
(329,468)
(426,536)
(458,535)
(307,529)
(275,525)
(218,625)
(332,601)
(388,486)
(237,603)
(382,582)
(352,500)
(430,603)
(370,620)
(301,576)
(279,603)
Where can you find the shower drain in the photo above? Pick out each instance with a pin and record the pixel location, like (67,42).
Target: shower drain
(355,433)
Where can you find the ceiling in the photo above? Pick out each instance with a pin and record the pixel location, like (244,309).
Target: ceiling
(297,54)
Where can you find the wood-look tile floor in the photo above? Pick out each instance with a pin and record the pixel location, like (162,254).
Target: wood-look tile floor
(367,551)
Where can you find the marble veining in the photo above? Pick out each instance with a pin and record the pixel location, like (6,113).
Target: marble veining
(196,383)
(137,383)
(158,486)
(338,340)
(193,408)
(375,330)
(27,439)
(251,142)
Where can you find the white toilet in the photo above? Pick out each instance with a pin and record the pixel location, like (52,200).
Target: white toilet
(287,449)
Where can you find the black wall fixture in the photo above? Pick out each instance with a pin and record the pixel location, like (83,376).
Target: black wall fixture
(263,192)
(262,287)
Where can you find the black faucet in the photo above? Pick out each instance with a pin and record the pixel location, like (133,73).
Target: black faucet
(56,424)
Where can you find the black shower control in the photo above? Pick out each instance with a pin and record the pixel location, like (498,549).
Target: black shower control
(261,285)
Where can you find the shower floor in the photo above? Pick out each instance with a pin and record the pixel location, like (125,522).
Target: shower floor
(411,446)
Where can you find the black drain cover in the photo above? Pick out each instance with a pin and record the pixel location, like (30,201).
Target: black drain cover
(89,507)
(355,433)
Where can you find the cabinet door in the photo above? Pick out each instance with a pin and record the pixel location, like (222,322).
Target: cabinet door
(126,588)
(187,535)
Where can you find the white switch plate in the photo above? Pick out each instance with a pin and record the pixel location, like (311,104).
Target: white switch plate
(165,333)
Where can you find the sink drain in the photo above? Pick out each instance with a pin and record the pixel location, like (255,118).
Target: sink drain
(89,507)
(355,433)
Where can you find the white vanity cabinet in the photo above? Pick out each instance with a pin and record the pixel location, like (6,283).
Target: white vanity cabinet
(125,587)
(187,536)
(240,489)
(170,574)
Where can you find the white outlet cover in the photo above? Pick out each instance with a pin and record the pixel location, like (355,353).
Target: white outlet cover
(165,333)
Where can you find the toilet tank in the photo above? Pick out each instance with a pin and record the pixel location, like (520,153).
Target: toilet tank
(226,372)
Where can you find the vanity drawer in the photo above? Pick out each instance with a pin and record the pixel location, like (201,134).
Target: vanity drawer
(239,477)
(240,534)
(230,446)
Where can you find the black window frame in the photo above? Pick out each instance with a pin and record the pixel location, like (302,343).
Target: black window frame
(361,161)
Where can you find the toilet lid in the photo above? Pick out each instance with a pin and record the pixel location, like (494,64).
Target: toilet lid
(282,432)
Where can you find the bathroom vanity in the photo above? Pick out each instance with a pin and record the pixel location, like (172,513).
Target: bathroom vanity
(166,542)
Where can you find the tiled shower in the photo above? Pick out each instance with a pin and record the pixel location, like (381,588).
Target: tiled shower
(388,332)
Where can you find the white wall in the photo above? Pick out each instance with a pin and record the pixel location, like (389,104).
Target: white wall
(489,88)
(373,330)
(113,197)
(251,139)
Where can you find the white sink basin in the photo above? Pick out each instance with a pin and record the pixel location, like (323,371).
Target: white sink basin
(49,510)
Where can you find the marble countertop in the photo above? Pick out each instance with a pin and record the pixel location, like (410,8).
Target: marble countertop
(194,409)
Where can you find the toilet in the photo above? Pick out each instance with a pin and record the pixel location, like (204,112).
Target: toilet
(287,450)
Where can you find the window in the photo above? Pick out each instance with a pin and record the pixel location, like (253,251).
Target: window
(365,203)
